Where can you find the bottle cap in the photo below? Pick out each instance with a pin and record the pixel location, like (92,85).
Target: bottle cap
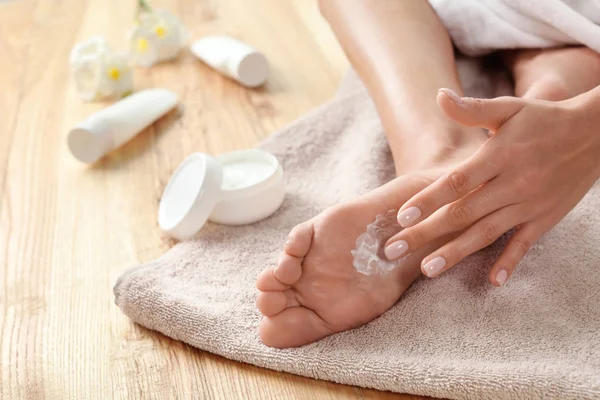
(233,58)
(90,140)
(252,70)
(190,196)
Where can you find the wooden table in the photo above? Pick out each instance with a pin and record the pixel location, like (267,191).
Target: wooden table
(67,231)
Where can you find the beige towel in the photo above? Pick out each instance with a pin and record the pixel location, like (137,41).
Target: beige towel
(455,336)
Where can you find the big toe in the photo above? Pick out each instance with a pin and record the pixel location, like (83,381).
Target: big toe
(289,264)
(295,326)
(299,240)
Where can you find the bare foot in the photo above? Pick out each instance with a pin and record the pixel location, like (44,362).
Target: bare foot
(315,291)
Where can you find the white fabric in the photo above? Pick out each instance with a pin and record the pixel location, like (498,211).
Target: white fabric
(478,27)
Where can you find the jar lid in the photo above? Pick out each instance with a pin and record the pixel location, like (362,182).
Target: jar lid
(190,196)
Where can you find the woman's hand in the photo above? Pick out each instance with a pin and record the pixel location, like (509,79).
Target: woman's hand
(541,160)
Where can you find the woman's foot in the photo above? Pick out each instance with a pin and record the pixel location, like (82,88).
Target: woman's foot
(315,290)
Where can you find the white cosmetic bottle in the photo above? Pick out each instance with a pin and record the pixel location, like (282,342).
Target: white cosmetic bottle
(111,127)
(235,188)
(233,58)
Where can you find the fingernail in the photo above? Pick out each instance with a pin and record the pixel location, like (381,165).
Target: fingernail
(396,249)
(287,242)
(453,96)
(434,267)
(408,216)
(501,277)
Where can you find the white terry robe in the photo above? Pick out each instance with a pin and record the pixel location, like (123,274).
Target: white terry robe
(478,27)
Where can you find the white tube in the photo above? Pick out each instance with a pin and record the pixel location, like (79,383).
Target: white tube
(233,58)
(113,126)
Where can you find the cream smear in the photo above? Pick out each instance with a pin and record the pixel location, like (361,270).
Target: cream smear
(369,257)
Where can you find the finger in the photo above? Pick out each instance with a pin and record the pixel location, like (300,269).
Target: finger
(475,171)
(451,218)
(486,113)
(480,235)
(516,248)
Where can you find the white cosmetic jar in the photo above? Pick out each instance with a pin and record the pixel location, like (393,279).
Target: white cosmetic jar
(235,188)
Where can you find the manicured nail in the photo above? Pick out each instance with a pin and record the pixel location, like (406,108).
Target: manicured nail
(408,216)
(453,96)
(434,267)
(396,249)
(501,277)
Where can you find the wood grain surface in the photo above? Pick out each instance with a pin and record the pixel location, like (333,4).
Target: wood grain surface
(67,230)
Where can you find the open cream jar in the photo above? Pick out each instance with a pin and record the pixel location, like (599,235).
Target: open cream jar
(235,188)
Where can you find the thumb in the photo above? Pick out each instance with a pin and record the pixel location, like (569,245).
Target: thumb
(486,113)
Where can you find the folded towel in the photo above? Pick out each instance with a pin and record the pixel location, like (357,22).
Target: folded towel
(479,27)
(455,336)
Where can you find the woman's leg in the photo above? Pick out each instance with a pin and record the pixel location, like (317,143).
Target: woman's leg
(404,55)
(553,74)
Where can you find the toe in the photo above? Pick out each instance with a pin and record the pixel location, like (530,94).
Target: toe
(288,269)
(295,326)
(271,303)
(267,281)
(299,240)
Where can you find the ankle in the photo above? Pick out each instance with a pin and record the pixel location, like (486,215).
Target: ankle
(437,146)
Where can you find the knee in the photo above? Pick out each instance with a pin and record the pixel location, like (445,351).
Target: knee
(550,88)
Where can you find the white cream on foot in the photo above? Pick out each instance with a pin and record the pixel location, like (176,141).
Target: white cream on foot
(369,257)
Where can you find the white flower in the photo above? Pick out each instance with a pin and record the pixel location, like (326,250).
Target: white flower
(160,36)
(144,46)
(117,77)
(89,50)
(86,67)
(98,71)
